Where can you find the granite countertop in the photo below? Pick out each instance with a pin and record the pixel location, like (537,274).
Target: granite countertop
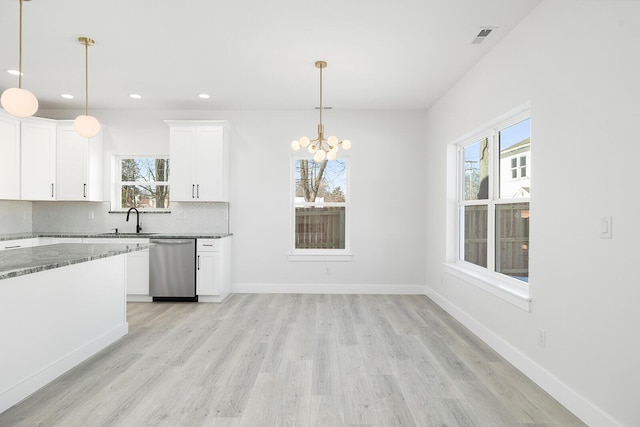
(17,236)
(18,262)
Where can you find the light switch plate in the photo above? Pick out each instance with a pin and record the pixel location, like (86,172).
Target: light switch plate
(605,227)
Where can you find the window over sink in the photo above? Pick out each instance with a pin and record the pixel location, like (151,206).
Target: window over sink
(142,183)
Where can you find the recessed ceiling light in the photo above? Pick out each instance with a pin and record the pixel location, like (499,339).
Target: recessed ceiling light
(67,96)
(203,96)
(14,72)
(135,96)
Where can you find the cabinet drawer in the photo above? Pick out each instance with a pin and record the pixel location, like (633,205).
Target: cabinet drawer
(19,243)
(208,245)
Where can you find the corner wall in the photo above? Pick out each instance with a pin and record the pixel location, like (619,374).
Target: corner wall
(576,61)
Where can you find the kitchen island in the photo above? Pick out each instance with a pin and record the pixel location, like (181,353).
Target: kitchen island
(59,305)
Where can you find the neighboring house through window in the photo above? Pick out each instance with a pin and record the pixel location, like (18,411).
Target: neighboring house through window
(143,183)
(493,201)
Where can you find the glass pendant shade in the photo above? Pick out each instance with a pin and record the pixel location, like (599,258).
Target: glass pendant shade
(295,145)
(319,156)
(19,102)
(346,144)
(87,126)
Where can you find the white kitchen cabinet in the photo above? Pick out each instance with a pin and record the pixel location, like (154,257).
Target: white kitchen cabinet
(137,264)
(19,243)
(9,158)
(38,159)
(199,153)
(213,278)
(79,165)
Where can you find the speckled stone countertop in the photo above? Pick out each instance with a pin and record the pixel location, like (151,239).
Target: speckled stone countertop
(17,236)
(18,262)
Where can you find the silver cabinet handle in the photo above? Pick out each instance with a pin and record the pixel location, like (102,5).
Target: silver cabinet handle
(84,190)
(193,189)
(198,262)
(52,190)
(197,191)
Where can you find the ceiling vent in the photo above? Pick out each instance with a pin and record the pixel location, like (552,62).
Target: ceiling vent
(482,35)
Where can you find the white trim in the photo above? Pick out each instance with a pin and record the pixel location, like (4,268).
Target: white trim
(584,409)
(321,288)
(506,288)
(329,255)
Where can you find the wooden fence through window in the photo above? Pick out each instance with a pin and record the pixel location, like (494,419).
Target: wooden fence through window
(320,227)
(512,238)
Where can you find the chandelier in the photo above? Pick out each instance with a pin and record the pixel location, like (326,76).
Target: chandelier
(322,148)
(17,101)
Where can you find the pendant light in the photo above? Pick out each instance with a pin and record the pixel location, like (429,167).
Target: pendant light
(321,148)
(17,101)
(86,125)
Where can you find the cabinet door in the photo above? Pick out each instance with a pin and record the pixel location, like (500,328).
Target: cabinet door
(209,165)
(207,273)
(73,165)
(9,158)
(79,165)
(138,273)
(38,161)
(182,146)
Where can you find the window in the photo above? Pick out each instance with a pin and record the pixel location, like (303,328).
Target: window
(143,183)
(319,207)
(493,201)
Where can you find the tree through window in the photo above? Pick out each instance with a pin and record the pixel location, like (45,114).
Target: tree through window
(144,183)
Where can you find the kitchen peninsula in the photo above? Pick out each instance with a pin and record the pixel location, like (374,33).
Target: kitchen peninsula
(59,305)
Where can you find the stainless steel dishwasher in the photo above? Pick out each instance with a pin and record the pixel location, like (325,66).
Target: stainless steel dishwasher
(172,270)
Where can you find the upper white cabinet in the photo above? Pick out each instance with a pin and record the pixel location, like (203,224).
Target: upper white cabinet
(79,165)
(38,159)
(9,158)
(199,153)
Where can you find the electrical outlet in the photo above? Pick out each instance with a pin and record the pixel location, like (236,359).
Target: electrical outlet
(91,215)
(542,337)
(225,215)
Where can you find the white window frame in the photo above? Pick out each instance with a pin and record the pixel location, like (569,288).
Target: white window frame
(502,286)
(116,199)
(319,254)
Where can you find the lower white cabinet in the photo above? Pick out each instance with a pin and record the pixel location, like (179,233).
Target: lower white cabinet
(137,264)
(19,243)
(213,280)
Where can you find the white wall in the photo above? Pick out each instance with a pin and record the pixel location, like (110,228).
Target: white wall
(578,63)
(388,204)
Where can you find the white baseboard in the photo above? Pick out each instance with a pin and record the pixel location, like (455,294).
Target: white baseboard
(276,288)
(580,406)
(23,389)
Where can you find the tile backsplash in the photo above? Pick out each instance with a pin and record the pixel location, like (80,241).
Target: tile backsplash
(15,217)
(96,217)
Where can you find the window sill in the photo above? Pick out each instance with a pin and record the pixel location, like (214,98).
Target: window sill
(505,288)
(337,255)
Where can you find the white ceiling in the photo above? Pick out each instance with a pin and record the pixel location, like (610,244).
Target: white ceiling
(249,54)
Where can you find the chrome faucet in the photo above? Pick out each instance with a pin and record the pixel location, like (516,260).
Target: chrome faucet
(138,226)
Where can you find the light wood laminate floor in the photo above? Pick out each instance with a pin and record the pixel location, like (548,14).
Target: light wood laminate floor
(293,360)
